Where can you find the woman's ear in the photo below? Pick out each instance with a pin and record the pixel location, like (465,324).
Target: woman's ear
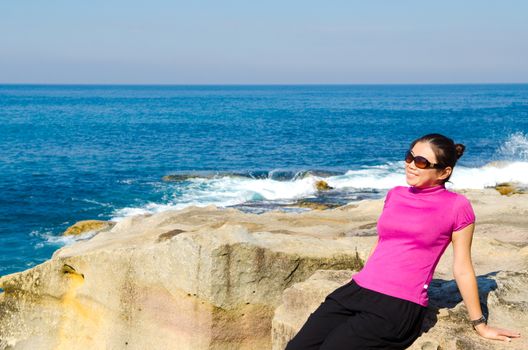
(445,173)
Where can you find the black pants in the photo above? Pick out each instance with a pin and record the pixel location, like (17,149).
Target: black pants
(352,317)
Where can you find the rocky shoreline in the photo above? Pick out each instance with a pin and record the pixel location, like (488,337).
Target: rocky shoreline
(212,278)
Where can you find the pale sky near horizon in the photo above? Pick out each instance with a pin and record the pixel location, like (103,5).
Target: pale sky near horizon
(266,42)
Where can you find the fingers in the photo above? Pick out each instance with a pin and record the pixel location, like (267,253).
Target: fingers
(504,334)
(507,338)
(507,332)
(510,333)
(499,336)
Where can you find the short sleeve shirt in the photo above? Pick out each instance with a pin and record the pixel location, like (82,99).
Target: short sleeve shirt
(415,228)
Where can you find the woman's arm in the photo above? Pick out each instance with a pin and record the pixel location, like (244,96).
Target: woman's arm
(467,284)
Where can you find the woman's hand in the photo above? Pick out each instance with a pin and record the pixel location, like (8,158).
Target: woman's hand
(496,333)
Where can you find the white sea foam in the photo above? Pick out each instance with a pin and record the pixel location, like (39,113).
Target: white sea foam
(514,148)
(490,175)
(91,201)
(510,165)
(370,177)
(51,239)
(126,181)
(227,191)
(463,177)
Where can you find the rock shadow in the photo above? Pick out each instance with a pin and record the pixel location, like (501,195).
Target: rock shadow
(444,294)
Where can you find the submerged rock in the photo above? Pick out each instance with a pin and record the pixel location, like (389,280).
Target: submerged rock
(318,173)
(179,177)
(278,175)
(200,175)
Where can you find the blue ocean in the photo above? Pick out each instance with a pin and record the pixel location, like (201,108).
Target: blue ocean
(71,153)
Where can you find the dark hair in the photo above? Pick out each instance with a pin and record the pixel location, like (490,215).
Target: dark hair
(445,150)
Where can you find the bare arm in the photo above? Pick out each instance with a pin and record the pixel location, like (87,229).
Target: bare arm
(467,283)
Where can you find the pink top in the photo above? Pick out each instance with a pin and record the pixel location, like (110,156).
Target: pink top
(414,230)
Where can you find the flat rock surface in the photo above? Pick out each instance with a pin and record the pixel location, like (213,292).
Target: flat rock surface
(504,295)
(225,271)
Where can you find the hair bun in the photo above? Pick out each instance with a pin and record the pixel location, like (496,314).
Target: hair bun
(459,149)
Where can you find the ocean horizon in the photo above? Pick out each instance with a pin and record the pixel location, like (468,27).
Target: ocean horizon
(77,152)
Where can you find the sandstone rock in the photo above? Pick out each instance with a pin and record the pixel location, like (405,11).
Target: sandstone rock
(169,234)
(315,205)
(429,345)
(201,289)
(504,295)
(209,278)
(88,225)
(300,300)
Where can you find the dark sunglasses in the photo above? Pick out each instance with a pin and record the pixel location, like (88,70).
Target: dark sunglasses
(421,162)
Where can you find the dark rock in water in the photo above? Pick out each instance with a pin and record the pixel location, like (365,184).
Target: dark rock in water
(290,175)
(184,177)
(509,188)
(282,175)
(256,174)
(277,175)
(322,185)
(318,173)
(326,173)
(175,178)
(323,200)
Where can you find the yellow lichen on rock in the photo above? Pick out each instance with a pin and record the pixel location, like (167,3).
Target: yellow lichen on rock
(74,313)
(322,185)
(87,225)
(509,188)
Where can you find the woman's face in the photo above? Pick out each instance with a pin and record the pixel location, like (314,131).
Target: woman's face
(424,177)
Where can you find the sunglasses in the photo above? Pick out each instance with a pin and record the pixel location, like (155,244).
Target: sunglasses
(421,162)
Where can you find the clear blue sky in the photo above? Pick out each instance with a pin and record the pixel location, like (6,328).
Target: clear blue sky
(270,42)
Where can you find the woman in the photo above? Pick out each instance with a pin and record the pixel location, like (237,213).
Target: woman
(384,304)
